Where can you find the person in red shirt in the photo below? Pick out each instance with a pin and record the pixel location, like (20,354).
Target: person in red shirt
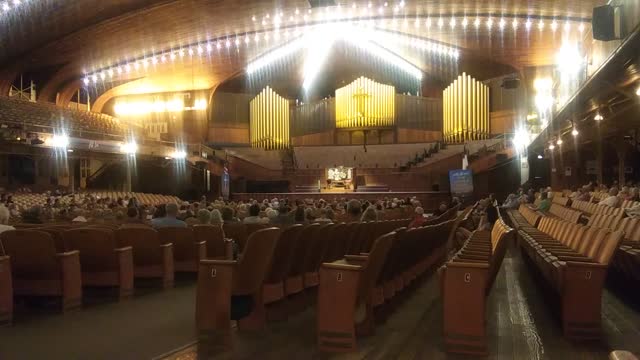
(419,218)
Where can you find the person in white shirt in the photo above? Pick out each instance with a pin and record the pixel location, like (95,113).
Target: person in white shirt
(612,200)
(4,219)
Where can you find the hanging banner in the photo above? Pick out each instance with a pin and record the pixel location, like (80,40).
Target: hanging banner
(224,184)
(461,183)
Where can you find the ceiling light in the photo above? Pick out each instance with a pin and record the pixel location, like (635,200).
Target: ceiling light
(179,154)
(514,24)
(551,146)
(86,80)
(581,28)
(540,157)
(559,142)
(490,23)
(440,23)
(476,22)
(465,22)
(129,148)
(452,23)
(567,26)
(554,25)
(501,24)
(275,55)
(527,24)
(598,117)
(638,91)
(540,25)
(574,132)
(569,60)
(60,141)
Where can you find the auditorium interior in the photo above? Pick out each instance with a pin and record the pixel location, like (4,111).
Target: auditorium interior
(320,179)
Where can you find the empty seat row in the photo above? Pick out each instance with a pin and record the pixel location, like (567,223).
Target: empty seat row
(351,288)
(627,204)
(560,200)
(564,213)
(274,265)
(524,217)
(586,207)
(572,260)
(465,281)
(59,261)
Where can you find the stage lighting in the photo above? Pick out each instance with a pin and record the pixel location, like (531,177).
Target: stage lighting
(275,55)
(60,141)
(179,154)
(319,48)
(569,60)
(521,139)
(130,148)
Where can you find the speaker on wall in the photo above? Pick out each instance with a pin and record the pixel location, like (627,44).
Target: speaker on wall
(603,23)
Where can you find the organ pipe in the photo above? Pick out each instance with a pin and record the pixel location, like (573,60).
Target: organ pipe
(269,121)
(465,110)
(365,103)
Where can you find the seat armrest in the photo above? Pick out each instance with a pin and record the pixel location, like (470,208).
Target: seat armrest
(123,249)
(594,265)
(71,278)
(356,259)
(468,264)
(68,254)
(342,267)
(201,249)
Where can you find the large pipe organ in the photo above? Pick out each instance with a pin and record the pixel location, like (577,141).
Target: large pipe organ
(269,121)
(465,110)
(365,103)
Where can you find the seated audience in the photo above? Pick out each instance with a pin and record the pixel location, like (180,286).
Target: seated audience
(170,219)
(216,217)
(545,203)
(254,216)
(133,217)
(442,208)
(284,216)
(612,200)
(369,214)
(418,219)
(204,217)
(4,219)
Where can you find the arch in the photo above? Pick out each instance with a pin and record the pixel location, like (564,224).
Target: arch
(56,82)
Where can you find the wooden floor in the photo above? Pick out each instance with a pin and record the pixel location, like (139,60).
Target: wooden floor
(521,326)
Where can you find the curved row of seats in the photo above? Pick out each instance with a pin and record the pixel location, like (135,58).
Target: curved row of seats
(365,262)
(465,282)
(60,260)
(572,260)
(28,200)
(564,213)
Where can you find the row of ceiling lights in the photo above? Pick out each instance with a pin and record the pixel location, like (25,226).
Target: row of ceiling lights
(206,48)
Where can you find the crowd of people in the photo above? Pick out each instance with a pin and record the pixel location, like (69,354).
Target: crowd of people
(613,196)
(86,207)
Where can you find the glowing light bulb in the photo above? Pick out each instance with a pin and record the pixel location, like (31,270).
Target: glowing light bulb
(527,24)
(559,142)
(574,132)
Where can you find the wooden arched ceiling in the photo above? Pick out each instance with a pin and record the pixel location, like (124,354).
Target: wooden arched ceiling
(95,34)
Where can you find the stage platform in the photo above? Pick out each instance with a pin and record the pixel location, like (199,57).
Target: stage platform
(428,199)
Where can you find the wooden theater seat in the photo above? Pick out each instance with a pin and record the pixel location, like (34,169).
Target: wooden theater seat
(6,291)
(229,289)
(214,238)
(344,296)
(186,251)
(295,278)
(573,259)
(151,258)
(103,263)
(39,270)
(273,289)
(237,232)
(316,247)
(465,283)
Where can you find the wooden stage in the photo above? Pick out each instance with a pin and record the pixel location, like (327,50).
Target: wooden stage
(428,199)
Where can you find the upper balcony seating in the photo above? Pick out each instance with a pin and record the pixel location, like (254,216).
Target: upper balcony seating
(573,260)
(38,269)
(49,115)
(103,263)
(465,283)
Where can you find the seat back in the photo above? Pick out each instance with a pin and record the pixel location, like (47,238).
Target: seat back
(283,254)
(316,246)
(375,262)
(56,234)
(237,232)
(609,247)
(301,246)
(182,239)
(144,241)
(96,247)
(255,260)
(214,237)
(32,252)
